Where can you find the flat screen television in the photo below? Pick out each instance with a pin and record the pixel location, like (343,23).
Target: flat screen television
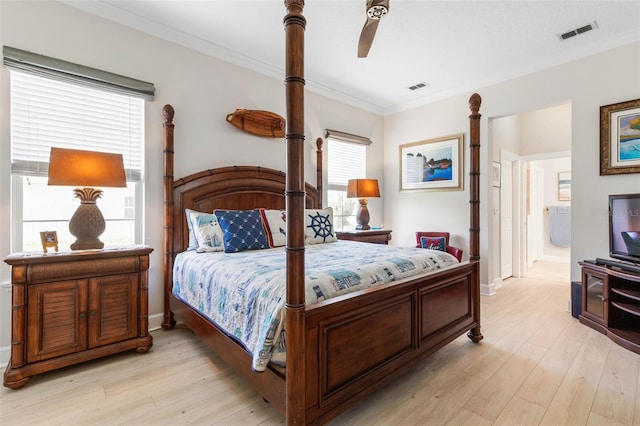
(624,227)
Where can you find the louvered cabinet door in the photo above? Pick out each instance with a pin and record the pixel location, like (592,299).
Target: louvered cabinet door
(113,308)
(56,319)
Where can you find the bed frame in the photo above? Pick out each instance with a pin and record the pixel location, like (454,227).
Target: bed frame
(342,349)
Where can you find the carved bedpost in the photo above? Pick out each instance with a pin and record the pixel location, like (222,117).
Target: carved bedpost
(295,23)
(319,143)
(474,176)
(168,113)
(474,205)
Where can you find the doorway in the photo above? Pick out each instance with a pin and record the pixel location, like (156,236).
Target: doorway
(533,150)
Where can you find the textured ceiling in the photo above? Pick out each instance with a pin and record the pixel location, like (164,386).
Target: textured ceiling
(453,46)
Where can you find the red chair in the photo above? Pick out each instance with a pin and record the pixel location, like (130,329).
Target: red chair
(455,251)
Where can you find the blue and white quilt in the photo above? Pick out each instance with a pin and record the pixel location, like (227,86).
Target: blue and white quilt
(244,293)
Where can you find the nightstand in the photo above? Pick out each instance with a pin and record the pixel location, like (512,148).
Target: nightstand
(376,236)
(76,306)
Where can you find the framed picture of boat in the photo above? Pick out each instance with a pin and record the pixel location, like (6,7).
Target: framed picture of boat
(620,138)
(432,165)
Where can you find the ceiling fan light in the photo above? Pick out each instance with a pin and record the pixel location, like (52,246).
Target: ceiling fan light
(377,11)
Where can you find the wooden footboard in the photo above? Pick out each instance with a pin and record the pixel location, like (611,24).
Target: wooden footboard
(357,344)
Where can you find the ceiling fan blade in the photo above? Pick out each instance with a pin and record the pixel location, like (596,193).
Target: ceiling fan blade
(366,37)
(375,10)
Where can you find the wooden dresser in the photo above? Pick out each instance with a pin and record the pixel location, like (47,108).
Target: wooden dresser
(376,236)
(72,307)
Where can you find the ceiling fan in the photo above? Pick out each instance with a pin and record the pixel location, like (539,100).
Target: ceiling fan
(376,9)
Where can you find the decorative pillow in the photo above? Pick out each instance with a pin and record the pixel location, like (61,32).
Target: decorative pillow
(433,243)
(275,226)
(193,243)
(242,230)
(319,226)
(205,230)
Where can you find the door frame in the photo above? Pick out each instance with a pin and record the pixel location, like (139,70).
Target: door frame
(519,200)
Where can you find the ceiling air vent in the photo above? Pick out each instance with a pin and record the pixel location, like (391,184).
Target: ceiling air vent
(578,31)
(418,86)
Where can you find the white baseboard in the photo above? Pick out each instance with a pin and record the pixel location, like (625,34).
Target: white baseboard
(497,283)
(490,289)
(487,289)
(155,321)
(5,353)
(5,322)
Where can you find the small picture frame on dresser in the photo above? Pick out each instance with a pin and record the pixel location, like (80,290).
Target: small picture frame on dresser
(49,239)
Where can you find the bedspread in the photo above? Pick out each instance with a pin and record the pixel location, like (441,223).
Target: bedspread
(244,293)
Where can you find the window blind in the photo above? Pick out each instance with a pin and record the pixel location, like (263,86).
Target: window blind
(346,137)
(345,161)
(69,72)
(46,113)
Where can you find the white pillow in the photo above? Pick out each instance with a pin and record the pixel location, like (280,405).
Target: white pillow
(193,243)
(318,224)
(206,232)
(275,226)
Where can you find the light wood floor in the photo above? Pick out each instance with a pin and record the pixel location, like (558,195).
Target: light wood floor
(536,365)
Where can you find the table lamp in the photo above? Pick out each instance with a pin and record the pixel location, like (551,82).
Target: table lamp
(86,169)
(363,189)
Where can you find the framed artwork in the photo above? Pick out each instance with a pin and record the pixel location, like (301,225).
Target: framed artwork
(620,138)
(564,186)
(49,239)
(432,165)
(495,174)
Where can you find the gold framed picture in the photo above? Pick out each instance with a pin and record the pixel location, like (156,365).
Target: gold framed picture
(620,138)
(49,239)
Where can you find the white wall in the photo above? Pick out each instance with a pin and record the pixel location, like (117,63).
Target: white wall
(545,130)
(413,211)
(586,84)
(505,135)
(202,89)
(551,168)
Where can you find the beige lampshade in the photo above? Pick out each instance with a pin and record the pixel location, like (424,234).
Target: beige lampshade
(72,167)
(363,188)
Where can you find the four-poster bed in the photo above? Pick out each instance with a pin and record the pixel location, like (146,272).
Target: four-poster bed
(337,350)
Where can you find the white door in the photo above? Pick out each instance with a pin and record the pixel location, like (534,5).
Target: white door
(506,219)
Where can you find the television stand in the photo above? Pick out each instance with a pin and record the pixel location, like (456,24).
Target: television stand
(619,264)
(611,301)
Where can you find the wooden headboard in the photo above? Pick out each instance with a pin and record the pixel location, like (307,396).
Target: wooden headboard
(231,188)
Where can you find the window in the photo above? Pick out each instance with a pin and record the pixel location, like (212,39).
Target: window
(48,111)
(346,160)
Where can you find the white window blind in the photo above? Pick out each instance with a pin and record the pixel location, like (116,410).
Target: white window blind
(46,113)
(345,161)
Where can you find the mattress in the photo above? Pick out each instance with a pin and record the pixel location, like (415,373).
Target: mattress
(244,293)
